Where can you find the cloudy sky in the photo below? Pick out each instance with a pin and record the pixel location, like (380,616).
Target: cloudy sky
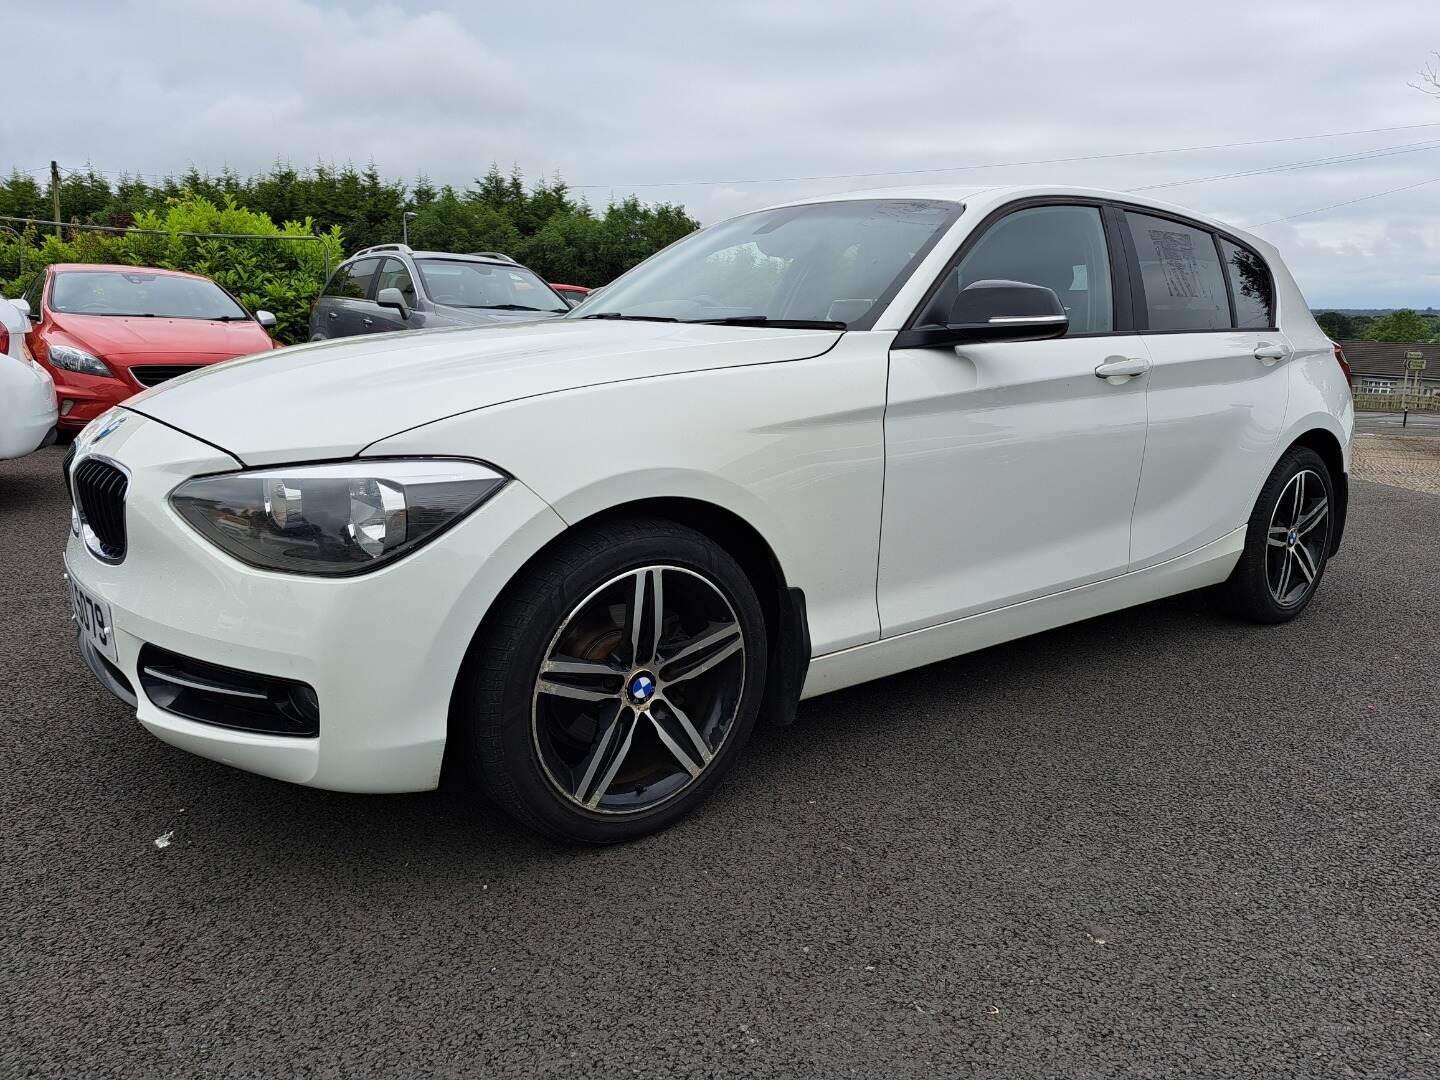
(729,106)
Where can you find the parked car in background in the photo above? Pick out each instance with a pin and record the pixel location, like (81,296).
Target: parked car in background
(27,393)
(104,333)
(571,294)
(797,450)
(394,287)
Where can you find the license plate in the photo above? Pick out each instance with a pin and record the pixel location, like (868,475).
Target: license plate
(93,618)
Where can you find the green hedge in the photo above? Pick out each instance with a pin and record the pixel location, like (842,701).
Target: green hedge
(282,276)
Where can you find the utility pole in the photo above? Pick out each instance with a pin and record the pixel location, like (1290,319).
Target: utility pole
(55,196)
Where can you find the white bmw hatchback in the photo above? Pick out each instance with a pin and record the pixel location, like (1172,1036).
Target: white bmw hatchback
(797,450)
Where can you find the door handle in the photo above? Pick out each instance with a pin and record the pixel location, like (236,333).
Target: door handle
(333,314)
(1268,353)
(367,321)
(1124,367)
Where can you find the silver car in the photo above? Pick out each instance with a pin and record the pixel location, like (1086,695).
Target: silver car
(392,287)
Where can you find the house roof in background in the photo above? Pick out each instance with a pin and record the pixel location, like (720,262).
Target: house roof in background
(1390,357)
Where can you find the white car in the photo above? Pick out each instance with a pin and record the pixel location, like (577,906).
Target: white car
(798,450)
(27,393)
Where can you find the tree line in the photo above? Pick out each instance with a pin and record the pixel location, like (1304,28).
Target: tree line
(543,225)
(1402,325)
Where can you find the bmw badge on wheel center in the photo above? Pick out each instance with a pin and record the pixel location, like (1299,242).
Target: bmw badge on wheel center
(800,449)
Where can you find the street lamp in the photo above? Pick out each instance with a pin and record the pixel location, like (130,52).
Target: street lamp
(405,226)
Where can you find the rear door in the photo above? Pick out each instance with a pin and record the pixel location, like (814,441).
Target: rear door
(347,304)
(1219,382)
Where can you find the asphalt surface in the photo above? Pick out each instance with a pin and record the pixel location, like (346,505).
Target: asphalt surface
(1154,844)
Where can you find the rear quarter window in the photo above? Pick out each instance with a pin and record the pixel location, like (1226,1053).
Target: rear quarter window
(1252,286)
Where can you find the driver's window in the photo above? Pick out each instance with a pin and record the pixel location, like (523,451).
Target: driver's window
(1060,247)
(394,276)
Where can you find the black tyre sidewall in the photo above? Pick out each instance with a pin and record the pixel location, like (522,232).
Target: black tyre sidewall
(1249,587)
(497,704)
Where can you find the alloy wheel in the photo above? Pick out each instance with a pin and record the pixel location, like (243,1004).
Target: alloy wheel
(639,688)
(1298,538)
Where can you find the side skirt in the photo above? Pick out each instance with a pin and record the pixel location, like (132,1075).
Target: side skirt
(1208,565)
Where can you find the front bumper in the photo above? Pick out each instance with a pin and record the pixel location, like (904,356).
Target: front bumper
(382,650)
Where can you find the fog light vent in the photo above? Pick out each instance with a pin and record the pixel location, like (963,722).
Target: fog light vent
(228,697)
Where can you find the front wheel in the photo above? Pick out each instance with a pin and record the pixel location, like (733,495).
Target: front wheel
(615,683)
(1287,542)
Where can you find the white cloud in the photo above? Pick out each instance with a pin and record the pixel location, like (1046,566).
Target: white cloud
(623,94)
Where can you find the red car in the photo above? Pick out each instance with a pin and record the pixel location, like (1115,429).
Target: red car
(107,332)
(571,294)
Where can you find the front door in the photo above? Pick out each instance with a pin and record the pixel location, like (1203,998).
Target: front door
(394,275)
(1011,468)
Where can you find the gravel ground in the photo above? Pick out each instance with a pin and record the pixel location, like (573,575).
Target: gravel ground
(1155,844)
(1409,461)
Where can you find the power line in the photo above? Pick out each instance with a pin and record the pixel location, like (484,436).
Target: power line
(1013,164)
(1347,202)
(1341,159)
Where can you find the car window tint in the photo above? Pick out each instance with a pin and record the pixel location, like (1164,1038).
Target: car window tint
(394,275)
(1059,247)
(353,279)
(1184,288)
(1252,286)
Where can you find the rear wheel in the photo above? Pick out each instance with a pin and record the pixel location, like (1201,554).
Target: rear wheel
(616,682)
(1287,542)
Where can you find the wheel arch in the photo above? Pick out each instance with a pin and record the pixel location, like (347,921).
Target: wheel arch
(782,604)
(1327,444)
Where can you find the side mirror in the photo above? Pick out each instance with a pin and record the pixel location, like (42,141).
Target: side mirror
(21,305)
(393,298)
(266,319)
(994,310)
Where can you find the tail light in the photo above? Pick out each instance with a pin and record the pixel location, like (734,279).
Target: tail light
(1340,359)
(4,340)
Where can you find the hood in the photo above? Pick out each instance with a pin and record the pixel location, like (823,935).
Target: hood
(126,338)
(331,399)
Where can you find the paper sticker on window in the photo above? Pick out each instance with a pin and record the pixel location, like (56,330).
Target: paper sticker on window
(1176,254)
(1080,278)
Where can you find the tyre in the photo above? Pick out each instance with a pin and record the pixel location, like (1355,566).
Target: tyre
(1287,542)
(615,683)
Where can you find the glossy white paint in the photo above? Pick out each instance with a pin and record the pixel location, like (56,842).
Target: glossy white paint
(380,650)
(927,501)
(27,393)
(1010,472)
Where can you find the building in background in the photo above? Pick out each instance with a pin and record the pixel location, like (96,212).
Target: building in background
(1394,374)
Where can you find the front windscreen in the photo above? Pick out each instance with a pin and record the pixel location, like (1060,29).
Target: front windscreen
(457,283)
(141,294)
(828,262)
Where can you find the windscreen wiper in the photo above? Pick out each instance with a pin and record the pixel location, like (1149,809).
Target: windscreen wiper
(781,324)
(508,307)
(622,315)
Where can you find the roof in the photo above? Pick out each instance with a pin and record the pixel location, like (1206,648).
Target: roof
(1389,357)
(989,198)
(117,268)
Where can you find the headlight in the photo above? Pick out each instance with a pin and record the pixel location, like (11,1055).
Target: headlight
(334,519)
(73,359)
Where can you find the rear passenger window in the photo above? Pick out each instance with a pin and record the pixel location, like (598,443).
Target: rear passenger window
(1060,247)
(1252,286)
(352,280)
(1184,287)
